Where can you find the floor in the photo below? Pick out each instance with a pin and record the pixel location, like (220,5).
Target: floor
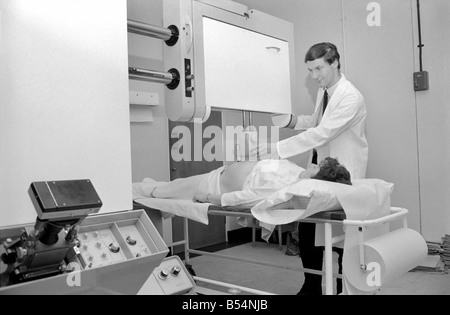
(288,282)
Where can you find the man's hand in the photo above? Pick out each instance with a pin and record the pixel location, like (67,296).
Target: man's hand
(265,151)
(252,154)
(310,171)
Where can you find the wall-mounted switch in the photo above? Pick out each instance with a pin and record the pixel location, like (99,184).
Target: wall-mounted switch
(421,82)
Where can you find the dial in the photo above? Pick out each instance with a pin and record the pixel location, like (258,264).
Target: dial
(164,273)
(175,270)
(114,248)
(131,241)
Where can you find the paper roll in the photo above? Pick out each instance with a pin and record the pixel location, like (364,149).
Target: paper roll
(387,257)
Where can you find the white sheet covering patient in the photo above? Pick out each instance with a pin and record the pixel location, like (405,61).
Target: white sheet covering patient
(242,184)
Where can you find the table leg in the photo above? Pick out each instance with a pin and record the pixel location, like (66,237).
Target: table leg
(328,259)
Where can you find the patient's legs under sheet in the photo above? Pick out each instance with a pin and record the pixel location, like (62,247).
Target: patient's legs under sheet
(180,188)
(186,188)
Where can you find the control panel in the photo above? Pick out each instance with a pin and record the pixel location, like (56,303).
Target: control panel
(99,248)
(170,278)
(112,253)
(116,242)
(136,243)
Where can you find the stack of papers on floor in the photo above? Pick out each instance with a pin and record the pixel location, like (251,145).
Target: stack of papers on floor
(434,262)
(446,250)
(435,248)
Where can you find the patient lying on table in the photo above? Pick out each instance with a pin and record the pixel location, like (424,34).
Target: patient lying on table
(242,184)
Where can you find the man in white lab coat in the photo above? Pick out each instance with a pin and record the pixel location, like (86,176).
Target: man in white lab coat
(335,129)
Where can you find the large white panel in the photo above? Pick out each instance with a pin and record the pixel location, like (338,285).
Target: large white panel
(228,71)
(64,110)
(245,70)
(305,16)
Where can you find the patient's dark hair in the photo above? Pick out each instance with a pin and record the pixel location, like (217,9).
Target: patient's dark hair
(332,171)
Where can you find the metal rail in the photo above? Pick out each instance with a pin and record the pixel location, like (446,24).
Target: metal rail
(171,78)
(169,35)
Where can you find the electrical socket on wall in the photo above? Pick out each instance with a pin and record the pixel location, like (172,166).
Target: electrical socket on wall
(421,82)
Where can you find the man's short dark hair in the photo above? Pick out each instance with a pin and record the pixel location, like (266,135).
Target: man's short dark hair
(332,171)
(328,51)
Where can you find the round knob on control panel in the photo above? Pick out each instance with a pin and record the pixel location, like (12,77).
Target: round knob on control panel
(175,270)
(114,248)
(163,274)
(21,252)
(131,241)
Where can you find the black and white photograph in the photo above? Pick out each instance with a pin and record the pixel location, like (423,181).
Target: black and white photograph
(225,152)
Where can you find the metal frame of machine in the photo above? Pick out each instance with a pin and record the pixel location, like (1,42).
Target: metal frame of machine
(184,53)
(68,251)
(330,240)
(122,277)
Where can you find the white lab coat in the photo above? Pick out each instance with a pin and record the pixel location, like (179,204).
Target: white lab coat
(340,134)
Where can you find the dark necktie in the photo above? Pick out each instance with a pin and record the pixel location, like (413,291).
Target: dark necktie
(325,101)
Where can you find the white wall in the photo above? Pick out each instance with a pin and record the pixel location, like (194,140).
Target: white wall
(433,113)
(149,140)
(63,101)
(407,131)
(384,76)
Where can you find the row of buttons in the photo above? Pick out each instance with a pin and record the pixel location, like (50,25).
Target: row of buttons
(112,247)
(129,239)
